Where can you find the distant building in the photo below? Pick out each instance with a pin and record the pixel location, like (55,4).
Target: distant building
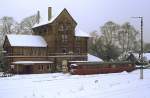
(53,42)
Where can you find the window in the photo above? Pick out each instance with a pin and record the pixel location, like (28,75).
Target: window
(61,27)
(64,37)
(64,50)
(69,26)
(78,50)
(64,26)
(49,67)
(41,67)
(21,51)
(34,51)
(77,38)
(25,51)
(29,52)
(39,51)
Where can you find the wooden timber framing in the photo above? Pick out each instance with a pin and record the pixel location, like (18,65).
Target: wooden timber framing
(62,44)
(60,35)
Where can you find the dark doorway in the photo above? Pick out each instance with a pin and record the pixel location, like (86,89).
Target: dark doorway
(27,69)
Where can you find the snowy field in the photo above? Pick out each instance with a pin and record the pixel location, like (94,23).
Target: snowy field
(58,85)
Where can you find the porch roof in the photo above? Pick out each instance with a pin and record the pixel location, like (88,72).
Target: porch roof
(32,62)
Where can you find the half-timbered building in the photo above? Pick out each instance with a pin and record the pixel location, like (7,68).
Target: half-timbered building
(53,43)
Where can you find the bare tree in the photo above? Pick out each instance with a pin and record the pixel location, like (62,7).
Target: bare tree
(114,40)
(128,38)
(7,24)
(104,45)
(6,27)
(27,24)
(109,32)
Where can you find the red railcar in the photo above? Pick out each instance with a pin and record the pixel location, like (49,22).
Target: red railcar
(103,67)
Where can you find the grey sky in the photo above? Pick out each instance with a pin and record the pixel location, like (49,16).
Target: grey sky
(89,14)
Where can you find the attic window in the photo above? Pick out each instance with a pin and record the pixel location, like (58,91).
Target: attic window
(64,27)
(61,27)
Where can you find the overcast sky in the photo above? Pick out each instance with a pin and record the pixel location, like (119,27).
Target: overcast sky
(89,14)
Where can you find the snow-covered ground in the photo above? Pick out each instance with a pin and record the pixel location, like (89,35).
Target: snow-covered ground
(58,85)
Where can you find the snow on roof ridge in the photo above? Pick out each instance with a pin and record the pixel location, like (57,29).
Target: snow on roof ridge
(54,16)
(78,32)
(26,40)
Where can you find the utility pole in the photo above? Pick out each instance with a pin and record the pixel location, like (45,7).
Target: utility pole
(141,53)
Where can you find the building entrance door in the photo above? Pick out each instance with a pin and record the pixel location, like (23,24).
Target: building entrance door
(28,69)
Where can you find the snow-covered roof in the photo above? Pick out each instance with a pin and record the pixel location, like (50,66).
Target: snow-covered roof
(78,61)
(80,33)
(26,40)
(32,62)
(44,22)
(92,58)
(41,24)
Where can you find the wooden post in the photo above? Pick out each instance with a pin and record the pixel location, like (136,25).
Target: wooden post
(17,69)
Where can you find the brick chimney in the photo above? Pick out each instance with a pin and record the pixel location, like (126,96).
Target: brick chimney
(49,13)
